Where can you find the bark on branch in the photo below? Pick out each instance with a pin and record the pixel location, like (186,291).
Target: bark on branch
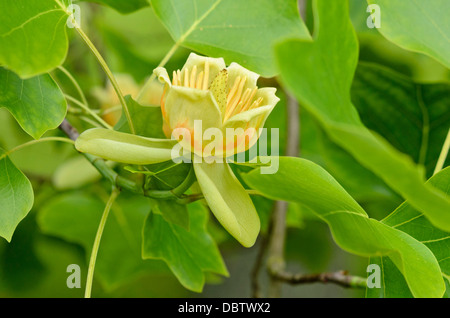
(341,278)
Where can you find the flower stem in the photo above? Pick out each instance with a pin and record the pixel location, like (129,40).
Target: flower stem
(108,73)
(147,84)
(75,84)
(33,142)
(115,192)
(103,64)
(443,155)
(88,110)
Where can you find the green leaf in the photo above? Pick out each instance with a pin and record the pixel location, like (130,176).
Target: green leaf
(233,29)
(188,254)
(75,218)
(361,183)
(134,43)
(147,120)
(320,74)
(33,38)
(417,26)
(405,218)
(37,103)
(16,196)
(302,181)
(421,111)
(174,213)
(123,6)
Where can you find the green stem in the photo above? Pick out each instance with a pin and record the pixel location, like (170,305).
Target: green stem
(443,155)
(175,192)
(115,192)
(105,67)
(33,142)
(147,84)
(75,84)
(88,110)
(90,121)
(111,110)
(186,199)
(110,75)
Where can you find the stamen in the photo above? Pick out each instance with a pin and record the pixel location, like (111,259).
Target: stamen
(233,89)
(249,100)
(206,80)
(243,101)
(174,79)
(256,103)
(198,85)
(237,96)
(192,80)
(186,77)
(237,109)
(179,77)
(246,95)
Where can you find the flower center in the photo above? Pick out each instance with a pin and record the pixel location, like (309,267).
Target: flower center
(233,102)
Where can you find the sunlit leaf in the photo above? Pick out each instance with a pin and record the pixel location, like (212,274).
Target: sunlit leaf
(320,74)
(409,220)
(233,29)
(420,26)
(33,38)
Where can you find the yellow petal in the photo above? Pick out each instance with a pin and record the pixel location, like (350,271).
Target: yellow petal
(228,201)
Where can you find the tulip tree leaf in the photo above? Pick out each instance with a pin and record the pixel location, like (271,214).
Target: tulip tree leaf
(16,196)
(189,254)
(37,103)
(147,120)
(33,38)
(75,218)
(320,74)
(123,6)
(421,111)
(175,213)
(233,29)
(419,26)
(302,181)
(409,220)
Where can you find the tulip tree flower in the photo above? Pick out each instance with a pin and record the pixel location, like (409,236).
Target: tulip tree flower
(204,91)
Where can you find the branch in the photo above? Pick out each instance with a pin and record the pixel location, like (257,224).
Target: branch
(69,130)
(256,286)
(341,278)
(278,223)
